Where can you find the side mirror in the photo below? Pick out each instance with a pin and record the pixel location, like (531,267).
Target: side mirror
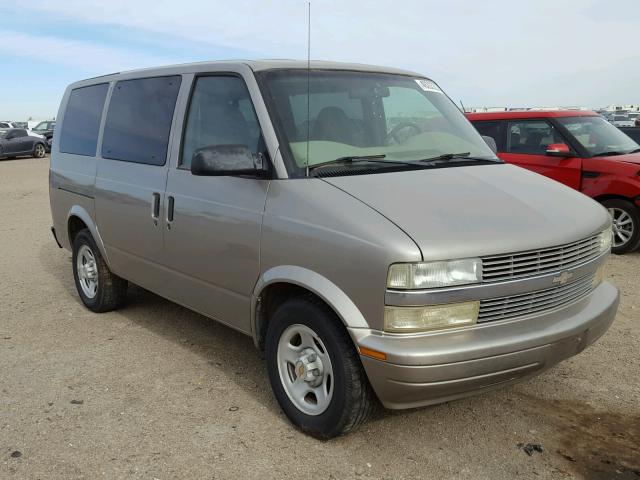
(558,150)
(226,160)
(491,142)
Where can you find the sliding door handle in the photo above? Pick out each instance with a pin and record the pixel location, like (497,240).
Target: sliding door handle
(170,202)
(155,207)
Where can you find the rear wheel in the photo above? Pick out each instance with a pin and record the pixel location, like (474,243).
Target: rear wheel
(626,225)
(314,369)
(39,150)
(99,289)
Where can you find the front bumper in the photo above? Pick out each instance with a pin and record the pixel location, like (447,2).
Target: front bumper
(425,369)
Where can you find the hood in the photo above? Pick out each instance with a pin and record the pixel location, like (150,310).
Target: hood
(482,210)
(628,158)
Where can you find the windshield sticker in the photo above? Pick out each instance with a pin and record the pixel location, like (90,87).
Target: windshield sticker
(428,85)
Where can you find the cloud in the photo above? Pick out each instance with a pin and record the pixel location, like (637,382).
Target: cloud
(81,55)
(496,51)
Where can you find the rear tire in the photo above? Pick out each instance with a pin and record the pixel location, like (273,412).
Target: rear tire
(626,225)
(345,399)
(39,150)
(99,289)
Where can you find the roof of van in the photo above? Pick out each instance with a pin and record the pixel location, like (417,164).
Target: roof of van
(259,65)
(529,114)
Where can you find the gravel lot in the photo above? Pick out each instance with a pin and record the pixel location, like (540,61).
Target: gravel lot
(155,391)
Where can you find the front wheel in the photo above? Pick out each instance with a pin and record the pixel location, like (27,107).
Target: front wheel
(315,371)
(39,150)
(626,225)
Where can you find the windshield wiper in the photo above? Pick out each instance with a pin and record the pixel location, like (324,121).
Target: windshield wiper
(635,150)
(455,156)
(360,158)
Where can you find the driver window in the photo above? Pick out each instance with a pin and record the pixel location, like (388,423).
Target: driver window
(220,113)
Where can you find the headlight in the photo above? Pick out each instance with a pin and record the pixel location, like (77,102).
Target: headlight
(606,238)
(434,317)
(409,276)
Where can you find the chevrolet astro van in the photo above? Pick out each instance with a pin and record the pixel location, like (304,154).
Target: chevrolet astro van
(347,217)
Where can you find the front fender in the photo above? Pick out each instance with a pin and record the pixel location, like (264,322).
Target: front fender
(82,214)
(323,287)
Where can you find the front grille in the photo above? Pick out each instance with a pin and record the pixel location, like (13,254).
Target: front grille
(535,302)
(497,268)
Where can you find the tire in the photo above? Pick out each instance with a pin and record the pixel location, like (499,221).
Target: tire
(626,225)
(350,399)
(39,150)
(109,291)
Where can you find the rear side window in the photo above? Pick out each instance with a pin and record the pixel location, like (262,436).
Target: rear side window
(139,120)
(81,122)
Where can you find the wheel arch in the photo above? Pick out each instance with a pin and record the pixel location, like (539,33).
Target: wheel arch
(79,218)
(286,281)
(612,196)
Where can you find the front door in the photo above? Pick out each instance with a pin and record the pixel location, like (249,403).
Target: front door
(132,174)
(212,238)
(526,145)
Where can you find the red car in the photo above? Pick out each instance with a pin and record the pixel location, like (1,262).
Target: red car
(580,149)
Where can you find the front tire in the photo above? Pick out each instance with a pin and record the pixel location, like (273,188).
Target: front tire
(314,369)
(39,150)
(626,225)
(99,289)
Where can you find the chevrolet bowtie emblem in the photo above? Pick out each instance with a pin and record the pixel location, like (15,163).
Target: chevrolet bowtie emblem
(563,278)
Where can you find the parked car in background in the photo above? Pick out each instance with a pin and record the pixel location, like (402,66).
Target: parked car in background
(633,132)
(46,130)
(374,246)
(637,121)
(16,142)
(622,121)
(8,124)
(580,149)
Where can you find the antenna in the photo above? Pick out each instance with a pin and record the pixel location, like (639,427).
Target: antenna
(464,110)
(308,81)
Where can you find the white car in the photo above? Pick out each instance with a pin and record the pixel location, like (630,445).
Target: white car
(7,124)
(622,121)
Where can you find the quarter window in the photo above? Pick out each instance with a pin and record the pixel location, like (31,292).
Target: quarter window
(81,121)
(531,137)
(220,113)
(139,120)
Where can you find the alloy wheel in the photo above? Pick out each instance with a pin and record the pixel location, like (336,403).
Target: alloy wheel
(87,271)
(623,226)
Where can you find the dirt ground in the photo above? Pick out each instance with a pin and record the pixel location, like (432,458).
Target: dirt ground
(155,391)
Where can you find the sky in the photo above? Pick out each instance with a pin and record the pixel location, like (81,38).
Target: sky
(483,53)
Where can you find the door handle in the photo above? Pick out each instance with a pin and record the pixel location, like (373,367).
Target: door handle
(170,203)
(155,207)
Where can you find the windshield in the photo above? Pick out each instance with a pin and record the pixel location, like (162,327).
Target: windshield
(598,136)
(356,114)
(620,118)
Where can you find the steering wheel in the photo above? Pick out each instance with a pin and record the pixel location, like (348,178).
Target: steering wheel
(393,134)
